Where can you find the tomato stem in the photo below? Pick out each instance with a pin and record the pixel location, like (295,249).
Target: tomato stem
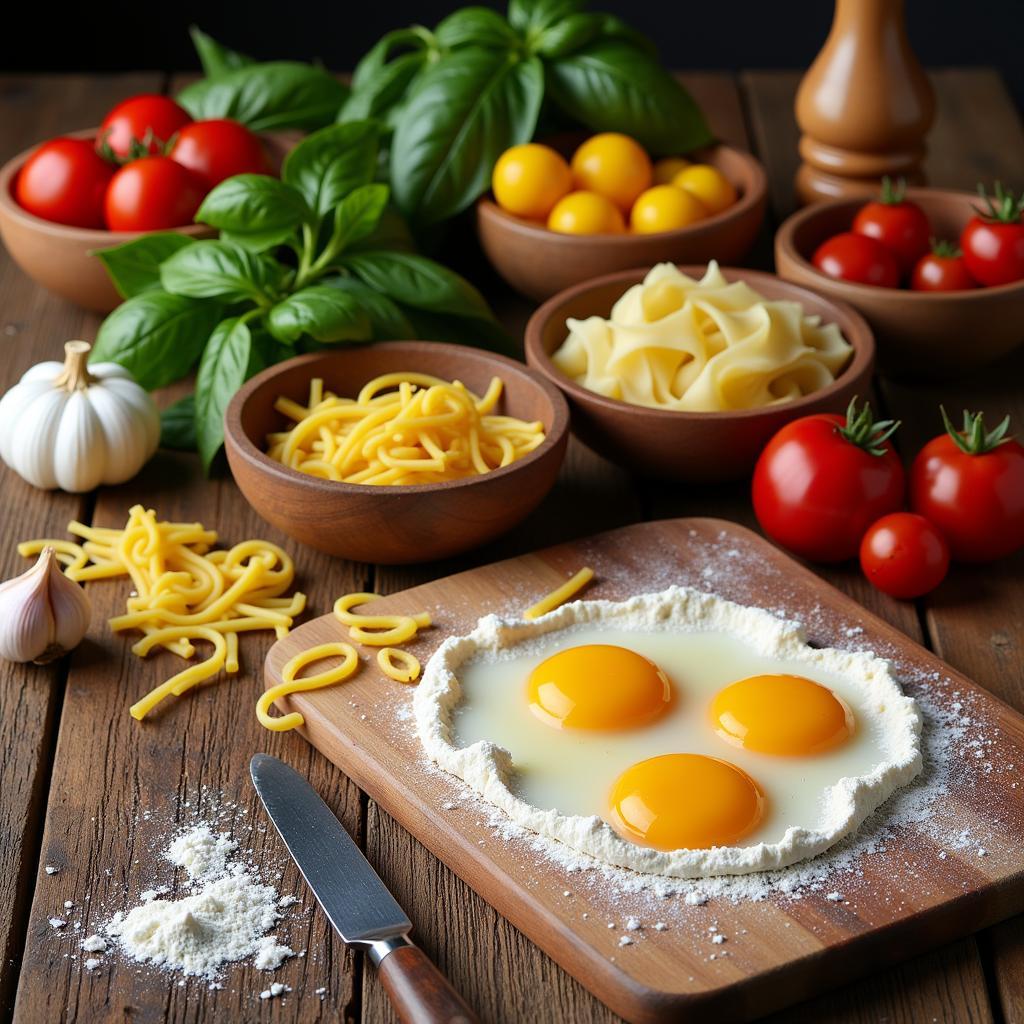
(863,430)
(973,439)
(945,250)
(1002,207)
(893,193)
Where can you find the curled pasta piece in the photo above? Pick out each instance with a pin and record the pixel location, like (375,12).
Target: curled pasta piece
(185,680)
(290,684)
(406,671)
(377,630)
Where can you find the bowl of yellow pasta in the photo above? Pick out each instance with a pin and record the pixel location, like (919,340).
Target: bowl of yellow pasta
(396,452)
(685,372)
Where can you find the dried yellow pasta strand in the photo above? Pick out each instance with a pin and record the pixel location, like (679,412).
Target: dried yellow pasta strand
(344,614)
(386,658)
(561,594)
(290,684)
(231,660)
(186,679)
(401,632)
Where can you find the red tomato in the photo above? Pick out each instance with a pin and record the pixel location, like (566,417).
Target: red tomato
(904,555)
(993,241)
(857,258)
(822,480)
(970,484)
(152,194)
(898,224)
(942,270)
(219,149)
(64,180)
(141,125)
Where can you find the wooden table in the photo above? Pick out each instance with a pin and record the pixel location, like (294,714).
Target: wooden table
(77,774)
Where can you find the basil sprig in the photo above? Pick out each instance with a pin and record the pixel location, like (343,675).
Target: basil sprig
(457,97)
(313,259)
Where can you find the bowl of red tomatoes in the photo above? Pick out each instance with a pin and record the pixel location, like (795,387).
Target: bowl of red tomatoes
(148,167)
(939,274)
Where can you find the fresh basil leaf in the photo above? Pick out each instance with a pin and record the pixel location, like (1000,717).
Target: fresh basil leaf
(418,282)
(156,336)
(265,97)
(391,232)
(611,85)
(253,203)
(466,110)
(415,38)
(358,215)
(388,320)
(134,267)
(529,16)
(569,34)
(215,269)
(222,371)
(178,425)
(332,162)
(471,331)
(258,241)
(476,26)
(378,93)
(321,312)
(215,58)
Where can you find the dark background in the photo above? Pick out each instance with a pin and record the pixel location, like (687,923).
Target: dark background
(698,34)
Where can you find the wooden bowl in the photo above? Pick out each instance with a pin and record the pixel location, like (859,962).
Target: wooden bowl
(391,525)
(920,334)
(61,258)
(539,262)
(693,446)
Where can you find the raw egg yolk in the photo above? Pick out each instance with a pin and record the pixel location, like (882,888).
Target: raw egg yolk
(685,802)
(781,714)
(597,686)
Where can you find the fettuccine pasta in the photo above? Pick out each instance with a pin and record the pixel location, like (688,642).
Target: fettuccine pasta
(401,429)
(702,346)
(183,590)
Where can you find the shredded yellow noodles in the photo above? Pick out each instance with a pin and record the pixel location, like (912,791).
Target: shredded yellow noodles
(402,429)
(290,684)
(570,588)
(183,590)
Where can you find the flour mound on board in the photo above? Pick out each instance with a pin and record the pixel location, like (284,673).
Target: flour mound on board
(488,768)
(226,918)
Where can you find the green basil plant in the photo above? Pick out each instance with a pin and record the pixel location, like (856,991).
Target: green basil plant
(315,258)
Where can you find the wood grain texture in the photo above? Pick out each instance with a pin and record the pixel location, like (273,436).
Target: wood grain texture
(793,949)
(33,327)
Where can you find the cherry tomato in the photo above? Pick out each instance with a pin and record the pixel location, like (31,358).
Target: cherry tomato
(64,180)
(970,484)
(858,258)
(993,241)
(822,480)
(216,150)
(942,270)
(904,555)
(897,223)
(141,125)
(152,194)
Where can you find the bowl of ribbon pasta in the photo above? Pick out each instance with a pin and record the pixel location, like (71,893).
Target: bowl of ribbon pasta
(396,452)
(685,372)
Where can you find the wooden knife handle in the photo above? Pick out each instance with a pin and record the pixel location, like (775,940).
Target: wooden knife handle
(419,992)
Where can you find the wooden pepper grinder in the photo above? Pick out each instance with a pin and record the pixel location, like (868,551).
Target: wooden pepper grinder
(864,107)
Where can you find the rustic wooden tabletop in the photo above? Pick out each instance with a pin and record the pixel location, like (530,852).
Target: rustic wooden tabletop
(86,788)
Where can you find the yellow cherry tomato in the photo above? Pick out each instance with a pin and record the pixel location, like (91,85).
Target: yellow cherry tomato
(667,168)
(586,213)
(709,185)
(665,208)
(528,180)
(613,166)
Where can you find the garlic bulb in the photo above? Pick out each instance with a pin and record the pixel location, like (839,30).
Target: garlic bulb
(75,426)
(43,614)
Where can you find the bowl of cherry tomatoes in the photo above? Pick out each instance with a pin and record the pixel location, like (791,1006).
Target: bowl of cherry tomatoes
(939,274)
(146,168)
(580,208)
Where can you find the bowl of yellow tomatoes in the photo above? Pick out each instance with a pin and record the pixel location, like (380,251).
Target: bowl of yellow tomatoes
(565,212)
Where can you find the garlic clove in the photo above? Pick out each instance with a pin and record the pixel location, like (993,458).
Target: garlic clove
(79,446)
(33,449)
(43,614)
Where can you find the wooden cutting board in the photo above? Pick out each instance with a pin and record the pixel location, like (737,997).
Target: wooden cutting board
(923,885)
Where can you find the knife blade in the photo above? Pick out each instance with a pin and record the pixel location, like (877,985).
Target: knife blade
(355,900)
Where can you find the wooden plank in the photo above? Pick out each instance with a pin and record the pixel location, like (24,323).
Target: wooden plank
(33,327)
(887,916)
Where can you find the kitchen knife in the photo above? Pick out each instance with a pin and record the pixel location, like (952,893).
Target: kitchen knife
(354,898)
